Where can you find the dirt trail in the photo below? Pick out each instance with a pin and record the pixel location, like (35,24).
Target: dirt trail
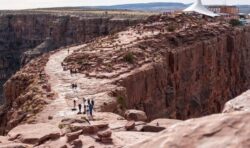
(60,80)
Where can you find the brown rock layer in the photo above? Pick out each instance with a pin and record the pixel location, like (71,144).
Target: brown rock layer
(27,92)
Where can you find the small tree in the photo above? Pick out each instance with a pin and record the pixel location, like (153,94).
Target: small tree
(129,57)
(235,22)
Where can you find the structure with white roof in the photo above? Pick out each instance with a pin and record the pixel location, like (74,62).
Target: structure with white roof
(199,8)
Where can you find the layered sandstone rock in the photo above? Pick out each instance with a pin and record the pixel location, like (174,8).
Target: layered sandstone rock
(34,133)
(240,103)
(221,130)
(27,92)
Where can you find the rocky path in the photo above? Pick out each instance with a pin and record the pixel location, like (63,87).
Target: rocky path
(60,80)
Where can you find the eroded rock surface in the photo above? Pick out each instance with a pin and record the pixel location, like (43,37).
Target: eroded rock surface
(135,115)
(221,130)
(34,133)
(240,103)
(28,92)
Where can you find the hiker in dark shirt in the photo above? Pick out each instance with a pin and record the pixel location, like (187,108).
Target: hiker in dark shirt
(84,106)
(74,102)
(91,110)
(80,108)
(92,102)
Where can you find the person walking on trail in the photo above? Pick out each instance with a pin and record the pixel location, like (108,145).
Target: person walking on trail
(74,105)
(71,72)
(90,107)
(91,110)
(87,109)
(68,50)
(80,108)
(93,103)
(84,106)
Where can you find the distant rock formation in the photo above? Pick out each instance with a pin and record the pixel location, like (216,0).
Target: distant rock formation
(44,47)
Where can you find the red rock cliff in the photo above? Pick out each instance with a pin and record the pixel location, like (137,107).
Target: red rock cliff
(172,66)
(20,32)
(196,79)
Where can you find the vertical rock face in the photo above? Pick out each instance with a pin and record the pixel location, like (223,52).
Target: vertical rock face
(195,79)
(21,32)
(181,72)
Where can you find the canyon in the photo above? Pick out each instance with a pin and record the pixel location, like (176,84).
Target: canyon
(179,67)
(27,34)
(188,73)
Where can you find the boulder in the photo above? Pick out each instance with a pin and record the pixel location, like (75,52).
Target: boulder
(34,133)
(14,145)
(73,136)
(240,103)
(220,131)
(164,122)
(59,143)
(3,139)
(130,125)
(90,129)
(50,117)
(107,140)
(72,120)
(104,134)
(158,125)
(100,125)
(76,143)
(86,129)
(135,115)
(152,128)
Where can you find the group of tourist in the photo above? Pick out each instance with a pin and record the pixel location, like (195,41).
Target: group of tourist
(73,71)
(88,106)
(74,86)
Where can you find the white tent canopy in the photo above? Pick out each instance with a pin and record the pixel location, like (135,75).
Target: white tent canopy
(199,8)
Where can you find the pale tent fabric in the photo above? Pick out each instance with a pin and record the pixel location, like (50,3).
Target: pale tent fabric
(199,8)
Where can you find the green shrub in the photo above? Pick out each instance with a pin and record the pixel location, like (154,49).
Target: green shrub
(121,101)
(235,22)
(129,57)
(61,126)
(171,28)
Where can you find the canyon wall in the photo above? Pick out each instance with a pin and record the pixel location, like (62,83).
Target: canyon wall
(20,33)
(194,79)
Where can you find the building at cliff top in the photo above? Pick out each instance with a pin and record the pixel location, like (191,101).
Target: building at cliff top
(198,7)
(228,12)
(234,10)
